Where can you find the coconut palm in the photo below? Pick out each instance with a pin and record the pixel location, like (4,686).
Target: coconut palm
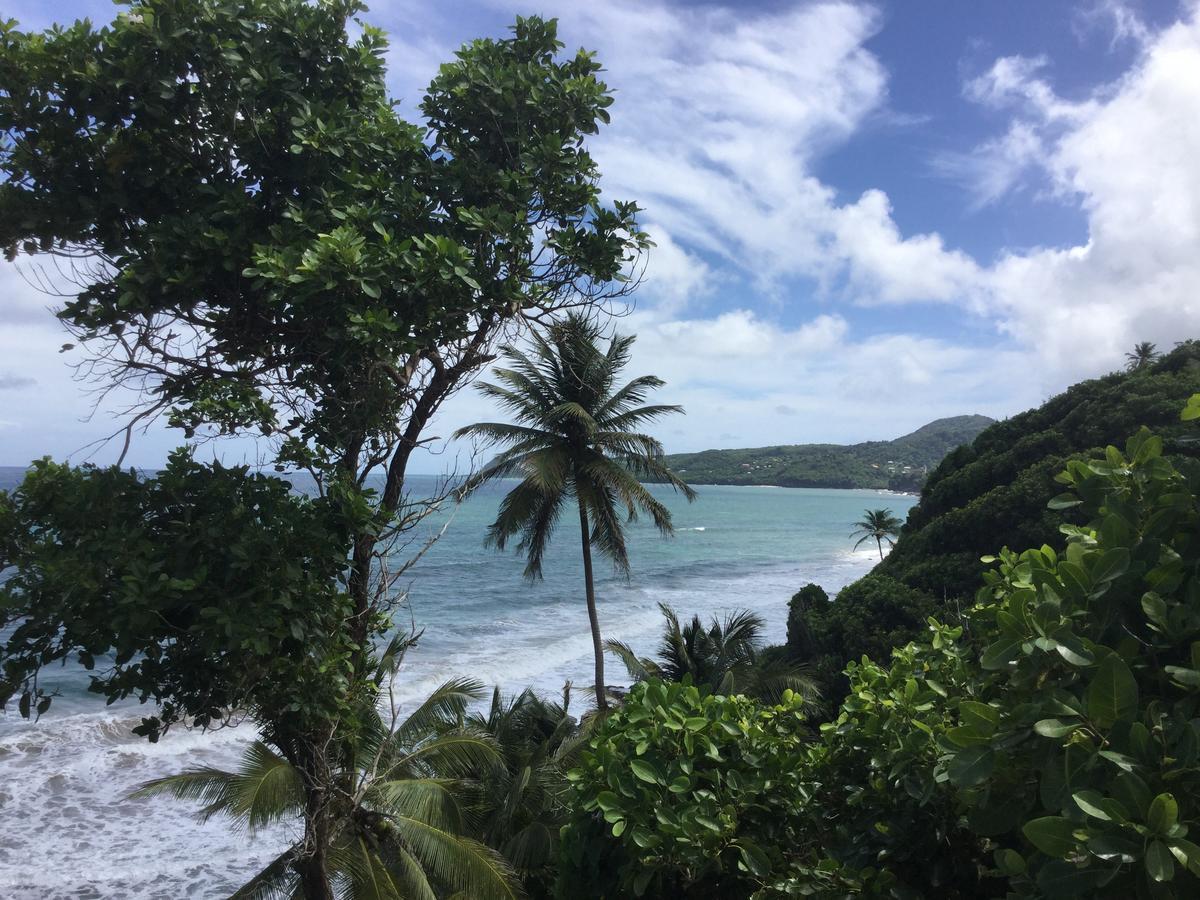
(725,657)
(522,805)
(1142,355)
(574,439)
(399,817)
(878,525)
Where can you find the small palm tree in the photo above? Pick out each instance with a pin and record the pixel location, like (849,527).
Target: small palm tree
(724,657)
(878,525)
(1142,355)
(575,438)
(522,806)
(400,816)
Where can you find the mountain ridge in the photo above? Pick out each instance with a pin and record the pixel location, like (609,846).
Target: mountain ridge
(899,464)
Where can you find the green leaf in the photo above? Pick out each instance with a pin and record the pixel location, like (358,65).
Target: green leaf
(979,717)
(1113,847)
(753,858)
(710,824)
(680,785)
(1056,728)
(607,801)
(1163,814)
(1187,853)
(1094,804)
(1009,862)
(1053,835)
(1063,501)
(971,766)
(645,771)
(1001,653)
(1159,863)
(1113,694)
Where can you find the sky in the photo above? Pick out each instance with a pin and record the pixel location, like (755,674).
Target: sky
(867,215)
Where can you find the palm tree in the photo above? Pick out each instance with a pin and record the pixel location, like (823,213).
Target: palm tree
(575,439)
(726,657)
(400,818)
(1142,355)
(522,806)
(878,524)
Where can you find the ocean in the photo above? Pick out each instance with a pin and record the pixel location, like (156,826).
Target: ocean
(67,829)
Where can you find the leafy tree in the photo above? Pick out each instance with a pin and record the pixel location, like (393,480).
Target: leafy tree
(574,440)
(868,618)
(878,525)
(1142,355)
(724,658)
(399,815)
(256,243)
(800,641)
(684,793)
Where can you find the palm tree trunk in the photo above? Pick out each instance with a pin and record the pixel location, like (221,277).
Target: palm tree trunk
(879,541)
(593,618)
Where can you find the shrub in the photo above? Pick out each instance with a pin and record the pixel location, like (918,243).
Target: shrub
(682,793)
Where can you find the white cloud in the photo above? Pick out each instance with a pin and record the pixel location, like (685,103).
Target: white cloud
(1129,159)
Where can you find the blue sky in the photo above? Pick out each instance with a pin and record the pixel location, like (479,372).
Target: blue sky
(868,215)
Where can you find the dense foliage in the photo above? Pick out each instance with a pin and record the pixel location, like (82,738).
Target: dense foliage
(205,590)
(872,464)
(992,493)
(1052,739)
(726,657)
(400,819)
(684,793)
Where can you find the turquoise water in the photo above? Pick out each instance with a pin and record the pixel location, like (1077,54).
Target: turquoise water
(66,778)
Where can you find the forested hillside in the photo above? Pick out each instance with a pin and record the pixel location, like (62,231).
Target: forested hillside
(899,464)
(993,493)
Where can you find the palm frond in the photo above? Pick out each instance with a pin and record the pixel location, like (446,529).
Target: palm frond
(453,754)
(463,864)
(445,705)
(639,669)
(276,881)
(431,800)
(264,790)
(366,875)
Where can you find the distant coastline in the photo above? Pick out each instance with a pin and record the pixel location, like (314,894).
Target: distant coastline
(900,465)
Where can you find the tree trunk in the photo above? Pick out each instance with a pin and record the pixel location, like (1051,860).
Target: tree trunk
(593,618)
(313,864)
(879,541)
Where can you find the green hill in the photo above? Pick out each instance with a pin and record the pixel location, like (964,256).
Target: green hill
(900,464)
(988,495)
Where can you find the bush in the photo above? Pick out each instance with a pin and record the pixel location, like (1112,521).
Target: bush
(868,618)
(682,793)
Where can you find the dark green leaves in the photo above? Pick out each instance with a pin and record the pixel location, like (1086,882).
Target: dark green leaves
(1053,835)
(1112,695)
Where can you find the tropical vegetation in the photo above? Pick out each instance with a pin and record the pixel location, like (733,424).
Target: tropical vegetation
(575,440)
(727,657)
(1008,705)
(876,525)
(400,809)
(257,244)
(992,493)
